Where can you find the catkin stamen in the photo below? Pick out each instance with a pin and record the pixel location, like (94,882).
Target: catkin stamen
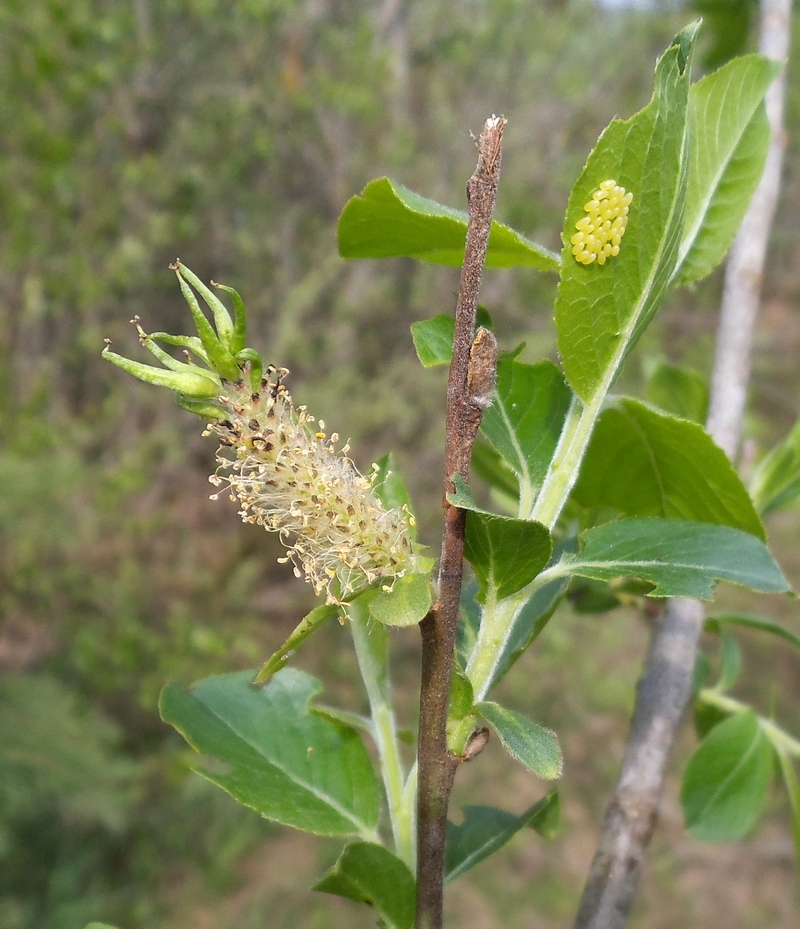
(288,477)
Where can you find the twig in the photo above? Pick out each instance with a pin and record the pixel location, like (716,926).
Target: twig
(661,698)
(745,269)
(466,396)
(665,686)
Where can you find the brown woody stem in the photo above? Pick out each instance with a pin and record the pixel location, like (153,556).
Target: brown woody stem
(466,397)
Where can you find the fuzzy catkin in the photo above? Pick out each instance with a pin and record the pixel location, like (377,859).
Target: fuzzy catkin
(290,479)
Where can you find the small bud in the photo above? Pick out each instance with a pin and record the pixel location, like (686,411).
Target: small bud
(476,743)
(482,371)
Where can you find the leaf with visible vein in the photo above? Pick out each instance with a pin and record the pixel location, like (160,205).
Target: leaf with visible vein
(280,758)
(601,311)
(683,559)
(775,484)
(729,135)
(369,873)
(726,780)
(388,220)
(526,418)
(642,462)
(506,554)
(531,744)
(486,829)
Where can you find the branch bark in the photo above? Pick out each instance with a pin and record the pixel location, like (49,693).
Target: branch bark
(665,687)
(745,269)
(466,399)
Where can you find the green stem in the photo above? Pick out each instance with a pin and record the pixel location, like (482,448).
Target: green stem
(408,813)
(564,468)
(371,642)
(498,617)
(781,739)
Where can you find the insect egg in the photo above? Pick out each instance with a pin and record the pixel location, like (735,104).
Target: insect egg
(601,230)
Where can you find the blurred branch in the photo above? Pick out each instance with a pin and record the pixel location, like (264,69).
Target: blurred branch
(745,268)
(393,34)
(666,683)
(437,765)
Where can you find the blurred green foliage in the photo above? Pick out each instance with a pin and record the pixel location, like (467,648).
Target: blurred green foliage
(230,135)
(728,24)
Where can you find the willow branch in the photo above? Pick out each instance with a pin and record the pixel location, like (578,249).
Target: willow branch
(665,687)
(468,388)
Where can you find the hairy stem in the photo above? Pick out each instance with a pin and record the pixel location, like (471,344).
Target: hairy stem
(372,651)
(436,765)
(665,686)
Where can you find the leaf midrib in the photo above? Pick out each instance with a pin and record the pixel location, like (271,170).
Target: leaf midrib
(731,774)
(691,239)
(363,827)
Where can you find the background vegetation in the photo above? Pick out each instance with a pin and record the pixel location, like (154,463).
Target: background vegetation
(232,135)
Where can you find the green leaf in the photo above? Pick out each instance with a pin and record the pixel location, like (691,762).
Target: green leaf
(678,389)
(469,621)
(593,597)
(706,717)
(726,780)
(641,462)
(100,926)
(488,464)
(486,829)
(307,625)
(462,697)
(793,790)
(433,340)
(369,873)
(683,559)
(337,715)
(731,662)
(776,481)
(547,821)
(601,311)
(280,758)
(389,485)
(727,26)
(389,221)
(729,135)
(406,604)
(506,554)
(715,623)
(531,744)
(529,621)
(525,420)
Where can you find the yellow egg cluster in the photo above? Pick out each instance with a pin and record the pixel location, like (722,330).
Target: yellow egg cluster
(601,230)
